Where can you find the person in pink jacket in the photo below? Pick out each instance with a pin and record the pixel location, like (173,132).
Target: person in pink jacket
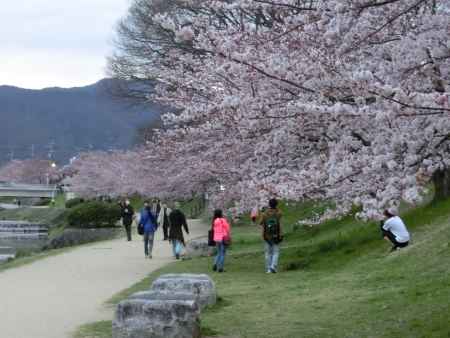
(222,237)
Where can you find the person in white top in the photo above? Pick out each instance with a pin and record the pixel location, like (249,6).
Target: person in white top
(395,231)
(163,220)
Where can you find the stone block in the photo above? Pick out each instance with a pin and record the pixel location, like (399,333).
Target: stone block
(142,318)
(164,295)
(198,247)
(202,286)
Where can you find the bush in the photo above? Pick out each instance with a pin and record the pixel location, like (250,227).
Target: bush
(43,202)
(74,202)
(94,214)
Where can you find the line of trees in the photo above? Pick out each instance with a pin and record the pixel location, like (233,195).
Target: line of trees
(302,99)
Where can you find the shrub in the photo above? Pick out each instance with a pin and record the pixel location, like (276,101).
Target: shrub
(74,202)
(94,214)
(43,202)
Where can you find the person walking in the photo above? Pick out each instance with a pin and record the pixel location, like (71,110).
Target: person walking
(148,221)
(254,215)
(127,217)
(272,235)
(222,237)
(177,221)
(394,230)
(156,207)
(163,220)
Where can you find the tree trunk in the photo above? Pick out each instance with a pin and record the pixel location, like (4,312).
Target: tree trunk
(441,181)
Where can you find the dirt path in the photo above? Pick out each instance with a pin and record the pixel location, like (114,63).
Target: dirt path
(52,297)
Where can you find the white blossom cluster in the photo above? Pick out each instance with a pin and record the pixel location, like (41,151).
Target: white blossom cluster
(330,99)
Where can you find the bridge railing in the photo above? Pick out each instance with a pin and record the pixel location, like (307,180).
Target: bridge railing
(27,190)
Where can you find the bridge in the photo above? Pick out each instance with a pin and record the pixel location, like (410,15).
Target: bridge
(27,190)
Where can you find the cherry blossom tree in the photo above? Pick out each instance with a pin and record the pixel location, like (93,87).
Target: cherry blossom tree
(96,174)
(340,100)
(30,171)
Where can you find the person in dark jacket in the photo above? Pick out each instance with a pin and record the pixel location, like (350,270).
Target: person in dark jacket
(127,217)
(177,221)
(148,220)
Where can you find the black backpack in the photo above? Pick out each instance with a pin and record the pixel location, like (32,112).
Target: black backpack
(272,227)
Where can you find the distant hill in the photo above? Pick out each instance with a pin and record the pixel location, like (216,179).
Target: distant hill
(59,123)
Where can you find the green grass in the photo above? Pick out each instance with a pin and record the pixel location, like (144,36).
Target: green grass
(335,280)
(95,330)
(51,216)
(60,201)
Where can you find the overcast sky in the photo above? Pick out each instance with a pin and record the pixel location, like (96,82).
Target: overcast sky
(47,43)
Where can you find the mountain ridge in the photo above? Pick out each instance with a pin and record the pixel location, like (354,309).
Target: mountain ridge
(58,122)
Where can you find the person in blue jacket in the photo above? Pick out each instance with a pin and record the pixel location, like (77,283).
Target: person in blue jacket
(148,220)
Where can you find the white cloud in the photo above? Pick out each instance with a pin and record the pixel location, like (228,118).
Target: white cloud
(47,43)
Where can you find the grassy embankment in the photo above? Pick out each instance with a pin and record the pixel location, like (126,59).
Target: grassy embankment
(335,280)
(53,216)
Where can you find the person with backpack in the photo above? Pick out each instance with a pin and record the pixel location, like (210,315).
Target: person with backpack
(222,237)
(272,235)
(177,221)
(149,225)
(127,217)
(394,230)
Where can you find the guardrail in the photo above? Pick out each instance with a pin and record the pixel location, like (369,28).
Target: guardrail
(27,190)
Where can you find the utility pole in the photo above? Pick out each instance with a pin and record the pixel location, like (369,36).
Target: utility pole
(51,150)
(11,154)
(32,150)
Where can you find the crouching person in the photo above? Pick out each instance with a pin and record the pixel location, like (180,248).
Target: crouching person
(395,231)
(272,235)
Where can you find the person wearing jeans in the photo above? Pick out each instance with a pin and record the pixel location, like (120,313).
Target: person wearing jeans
(149,238)
(272,235)
(272,253)
(219,261)
(148,220)
(222,237)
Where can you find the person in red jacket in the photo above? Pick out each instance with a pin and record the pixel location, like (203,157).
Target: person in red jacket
(222,237)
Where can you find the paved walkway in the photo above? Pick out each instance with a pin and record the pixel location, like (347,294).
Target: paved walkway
(53,296)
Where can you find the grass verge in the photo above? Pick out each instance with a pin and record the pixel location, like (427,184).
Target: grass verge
(335,280)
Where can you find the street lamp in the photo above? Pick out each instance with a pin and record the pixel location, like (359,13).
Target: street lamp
(47,175)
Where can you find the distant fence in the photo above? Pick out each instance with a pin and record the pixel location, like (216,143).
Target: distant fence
(27,190)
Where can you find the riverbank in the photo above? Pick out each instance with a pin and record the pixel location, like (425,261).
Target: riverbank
(57,294)
(337,279)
